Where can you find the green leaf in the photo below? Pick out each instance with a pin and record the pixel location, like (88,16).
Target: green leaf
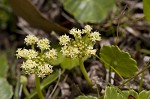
(69,63)
(120,61)
(93,11)
(58,60)
(3,65)
(130,92)
(86,97)
(144,95)
(51,78)
(111,92)
(114,92)
(146,6)
(6,91)
(65,63)
(47,81)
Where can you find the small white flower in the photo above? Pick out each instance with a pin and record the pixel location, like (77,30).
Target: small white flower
(44,70)
(87,29)
(76,32)
(22,53)
(43,44)
(70,51)
(64,39)
(51,54)
(95,36)
(29,66)
(30,39)
(27,54)
(90,47)
(32,54)
(19,53)
(73,52)
(91,52)
(64,50)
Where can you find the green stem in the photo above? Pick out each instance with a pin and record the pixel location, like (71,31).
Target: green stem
(83,70)
(134,76)
(117,73)
(25,90)
(32,46)
(141,82)
(37,84)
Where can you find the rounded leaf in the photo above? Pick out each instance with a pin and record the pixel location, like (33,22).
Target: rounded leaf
(6,91)
(130,94)
(93,11)
(112,92)
(120,61)
(144,95)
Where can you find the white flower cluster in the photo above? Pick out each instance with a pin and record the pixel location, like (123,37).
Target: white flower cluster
(76,32)
(43,44)
(51,54)
(27,54)
(37,61)
(30,39)
(82,44)
(64,39)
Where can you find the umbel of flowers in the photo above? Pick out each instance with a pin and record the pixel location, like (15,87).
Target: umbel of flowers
(81,45)
(37,62)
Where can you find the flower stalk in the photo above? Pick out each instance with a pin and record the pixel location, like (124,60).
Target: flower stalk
(25,90)
(84,72)
(38,89)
